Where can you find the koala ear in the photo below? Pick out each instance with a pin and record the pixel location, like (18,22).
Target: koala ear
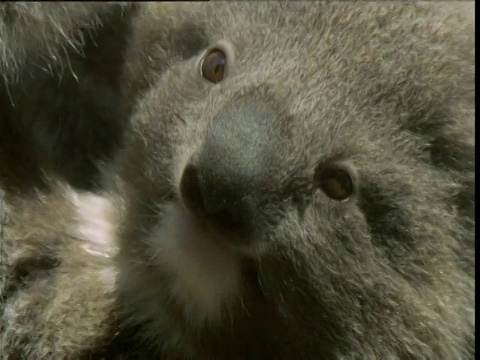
(170,35)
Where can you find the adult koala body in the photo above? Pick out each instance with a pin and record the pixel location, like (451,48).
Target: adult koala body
(298,182)
(60,112)
(39,33)
(60,107)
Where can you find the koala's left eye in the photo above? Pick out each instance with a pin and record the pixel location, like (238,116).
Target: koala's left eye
(217,62)
(337,184)
(213,66)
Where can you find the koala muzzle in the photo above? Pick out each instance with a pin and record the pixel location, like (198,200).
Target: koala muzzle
(225,180)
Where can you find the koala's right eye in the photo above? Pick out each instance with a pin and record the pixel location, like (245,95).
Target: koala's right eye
(336,183)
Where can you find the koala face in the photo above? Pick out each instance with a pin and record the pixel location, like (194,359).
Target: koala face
(298,181)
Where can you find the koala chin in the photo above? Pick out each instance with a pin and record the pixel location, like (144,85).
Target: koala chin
(296,182)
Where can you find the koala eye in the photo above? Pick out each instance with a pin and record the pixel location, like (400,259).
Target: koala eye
(336,183)
(217,61)
(213,66)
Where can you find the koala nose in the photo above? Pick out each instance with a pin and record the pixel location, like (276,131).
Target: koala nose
(223,205)
(228,176)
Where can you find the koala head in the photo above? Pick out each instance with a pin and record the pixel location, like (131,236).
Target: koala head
(298,181)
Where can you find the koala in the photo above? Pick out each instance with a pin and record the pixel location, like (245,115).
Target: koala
(61,108)
(296,182)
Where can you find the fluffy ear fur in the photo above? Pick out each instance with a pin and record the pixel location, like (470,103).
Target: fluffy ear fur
(60,107)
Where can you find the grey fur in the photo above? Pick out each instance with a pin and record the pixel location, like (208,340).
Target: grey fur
(55,304)
(39,34)
(60,112)
(59,92)
(384,89)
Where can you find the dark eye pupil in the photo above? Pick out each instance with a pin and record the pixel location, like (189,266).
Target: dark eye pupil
(213,67)
(337,184)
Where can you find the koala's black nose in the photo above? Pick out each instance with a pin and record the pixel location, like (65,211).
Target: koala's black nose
(226,180)
(222,205)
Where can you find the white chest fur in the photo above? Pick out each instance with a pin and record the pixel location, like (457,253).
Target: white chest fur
(206,273)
